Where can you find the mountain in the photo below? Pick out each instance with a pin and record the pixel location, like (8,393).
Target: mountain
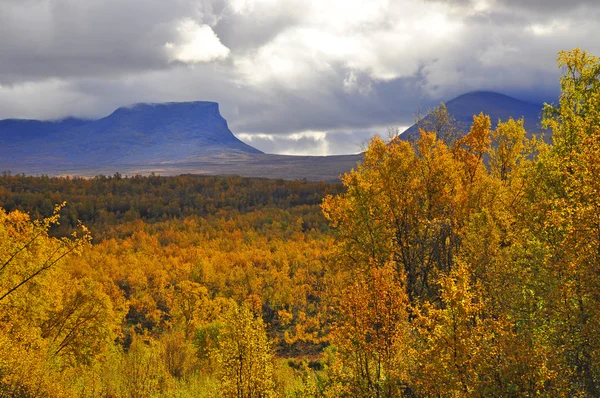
(496,105)
(192,138)
(139,134)
(14,131)
(167,139)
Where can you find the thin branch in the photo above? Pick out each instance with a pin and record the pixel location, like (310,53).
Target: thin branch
(44,267)
(20,250)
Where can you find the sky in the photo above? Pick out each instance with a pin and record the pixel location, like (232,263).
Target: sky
(291,76)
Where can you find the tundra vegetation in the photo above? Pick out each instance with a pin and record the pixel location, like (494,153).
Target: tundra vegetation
(437,268)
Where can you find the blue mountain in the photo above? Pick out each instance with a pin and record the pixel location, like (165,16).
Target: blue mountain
(15,131)
(138,134)
(497,106)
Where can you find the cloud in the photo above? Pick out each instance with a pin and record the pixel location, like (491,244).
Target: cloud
(280,68)
(197,43)
(375,38)
(49,99)
(303,143)
(334,142)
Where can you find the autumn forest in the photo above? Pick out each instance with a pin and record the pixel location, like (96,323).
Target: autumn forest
(450,265)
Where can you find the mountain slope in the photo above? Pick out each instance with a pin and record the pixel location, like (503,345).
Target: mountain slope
(140,134)
(147,133)
(13,131)
(497,106)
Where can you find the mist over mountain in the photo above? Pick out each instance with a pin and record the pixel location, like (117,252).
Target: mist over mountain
(497,106)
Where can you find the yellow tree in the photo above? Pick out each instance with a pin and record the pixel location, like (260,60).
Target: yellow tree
(567,193)
(32,283)
(451,223)
(442,123)
(451,338)
(402,203)
(243,356)
(510,148)
(28,252)
(472,148)
(373,336)
(143,374)
(190,306)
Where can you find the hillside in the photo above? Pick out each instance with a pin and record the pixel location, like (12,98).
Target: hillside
(140,134)
(497,106)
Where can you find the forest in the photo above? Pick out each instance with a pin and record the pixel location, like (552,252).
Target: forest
(445,266)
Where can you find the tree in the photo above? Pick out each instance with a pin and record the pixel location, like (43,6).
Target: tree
(567,194)
(28,251)
(442,123)
(510,149)
(449,222)
(402,203)
(373,336)
(243,355)
(32,292)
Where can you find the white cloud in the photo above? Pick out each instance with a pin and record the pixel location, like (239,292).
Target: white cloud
(197,43)
(248,6)
(250,137)
(30,100)
(548,29)
(301,143)
(382,40)
(310,142)
(355,84)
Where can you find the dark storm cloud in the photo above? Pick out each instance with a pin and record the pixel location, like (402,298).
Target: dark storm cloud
(242,33)
(279,68)
(83,38)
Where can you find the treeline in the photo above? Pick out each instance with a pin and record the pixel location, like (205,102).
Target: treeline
(462,267)
(105,201)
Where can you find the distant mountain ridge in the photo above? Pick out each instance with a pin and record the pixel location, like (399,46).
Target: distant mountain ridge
(497,106)
(138,134)
(192,138)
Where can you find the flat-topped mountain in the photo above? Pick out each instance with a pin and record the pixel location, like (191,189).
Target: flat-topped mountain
(147,133)
(139,134)
(496,105)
